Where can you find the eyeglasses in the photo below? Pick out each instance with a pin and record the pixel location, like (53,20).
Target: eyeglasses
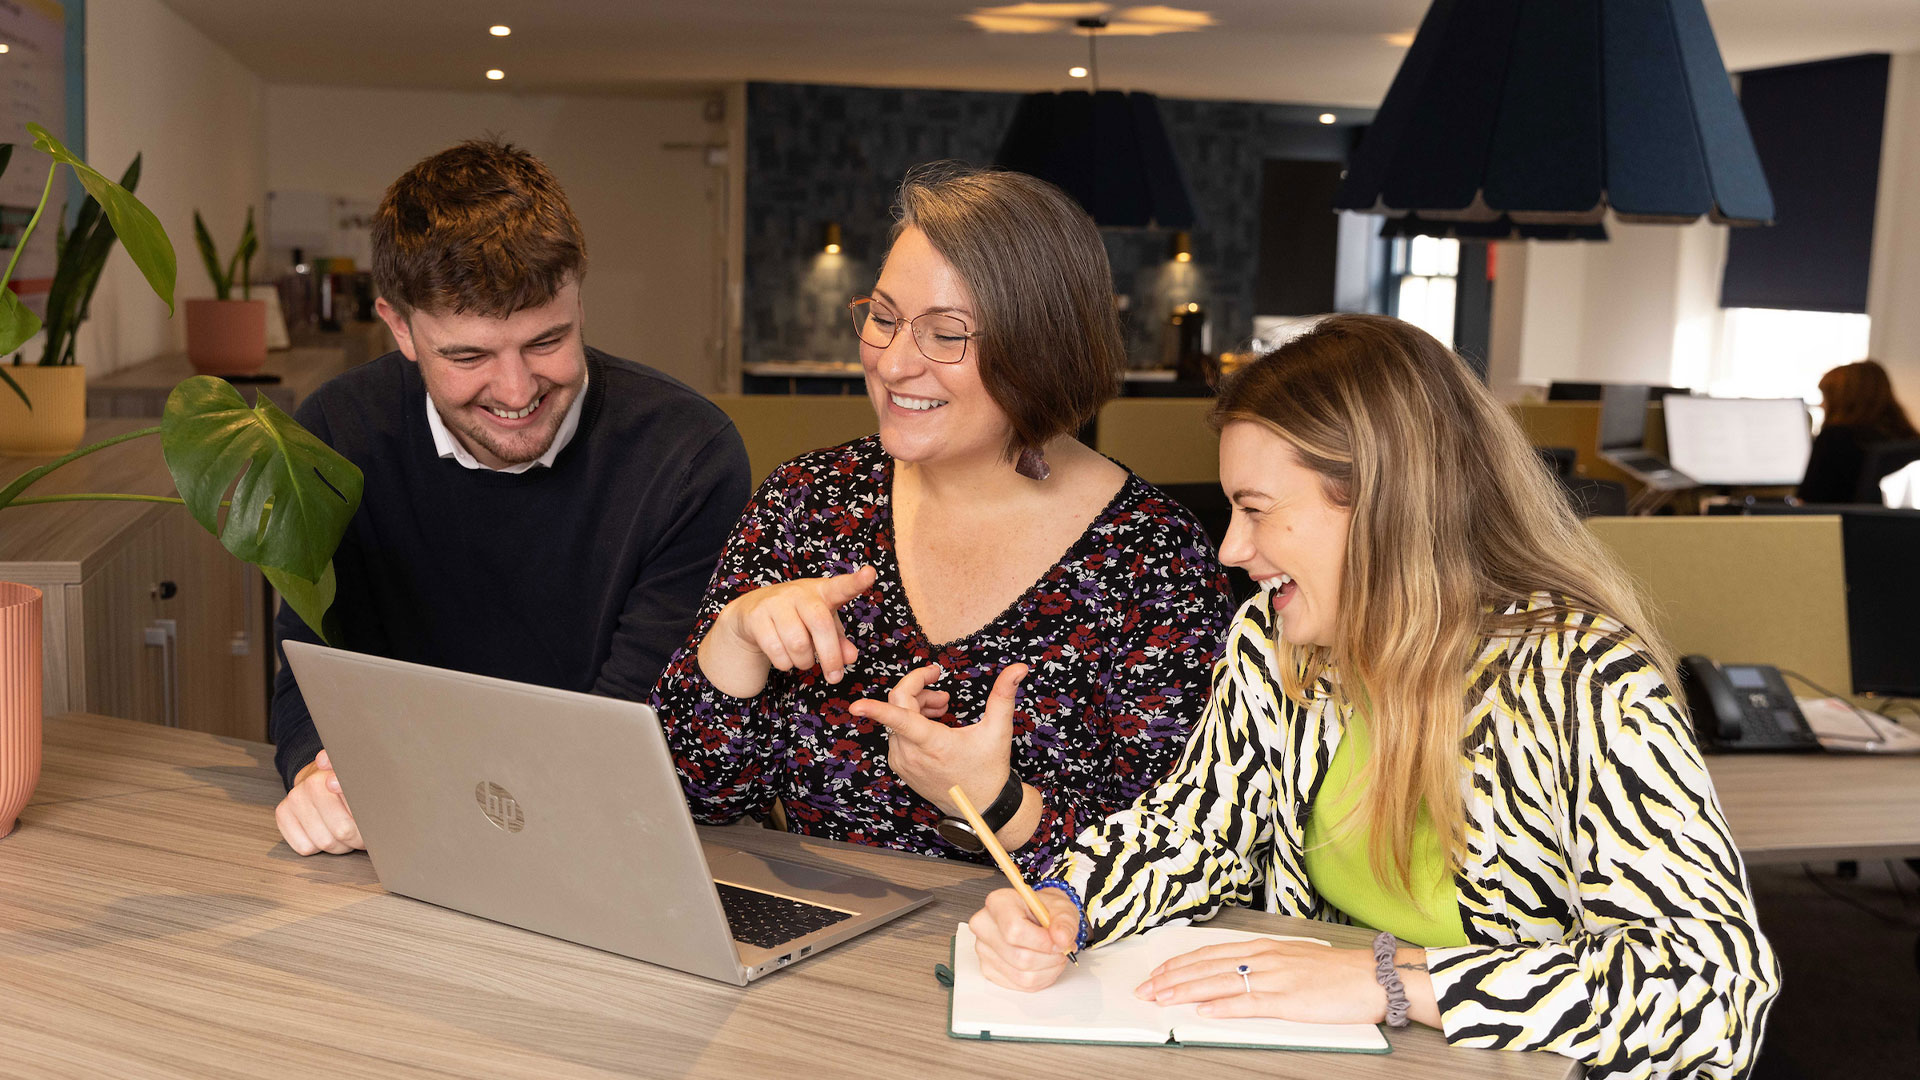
(941,338)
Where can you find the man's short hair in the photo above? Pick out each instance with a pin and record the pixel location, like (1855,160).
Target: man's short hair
(481,228)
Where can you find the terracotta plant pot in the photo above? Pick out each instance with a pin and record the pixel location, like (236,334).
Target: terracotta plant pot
(20,675)
(58,420)
(227,337)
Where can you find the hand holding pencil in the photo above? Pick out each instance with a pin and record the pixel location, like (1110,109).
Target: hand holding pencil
(1025,938)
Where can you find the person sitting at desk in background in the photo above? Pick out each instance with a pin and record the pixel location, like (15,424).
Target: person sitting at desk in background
(535,509)
(972,537)
(1859,411)
(1446,717)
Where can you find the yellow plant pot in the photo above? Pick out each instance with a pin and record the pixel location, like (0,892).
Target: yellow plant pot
(58,420)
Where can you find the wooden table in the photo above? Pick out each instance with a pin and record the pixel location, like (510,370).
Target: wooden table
(152,924)
(141,390)
(1789,808)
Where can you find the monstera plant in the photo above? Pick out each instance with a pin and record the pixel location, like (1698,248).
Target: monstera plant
(275,495)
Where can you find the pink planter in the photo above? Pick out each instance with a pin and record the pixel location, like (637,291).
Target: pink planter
(226,337)
(20,676)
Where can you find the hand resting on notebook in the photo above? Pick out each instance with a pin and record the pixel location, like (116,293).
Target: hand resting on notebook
(1292,980)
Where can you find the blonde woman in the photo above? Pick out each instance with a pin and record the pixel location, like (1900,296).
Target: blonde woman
(1446,717)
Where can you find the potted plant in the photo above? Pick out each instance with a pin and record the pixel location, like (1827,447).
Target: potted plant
(227,336)
(45,410)
(274,494)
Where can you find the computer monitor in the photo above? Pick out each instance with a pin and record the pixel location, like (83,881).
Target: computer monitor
(1573,391)
(1883,592)
(1745,442)
(1623,416)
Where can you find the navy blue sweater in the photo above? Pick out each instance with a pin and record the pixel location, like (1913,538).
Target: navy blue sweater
(583,576)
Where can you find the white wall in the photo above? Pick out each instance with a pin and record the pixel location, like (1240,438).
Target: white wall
(1893,296)
(654,217)
(158,87)
(1644,307)
(1641,307)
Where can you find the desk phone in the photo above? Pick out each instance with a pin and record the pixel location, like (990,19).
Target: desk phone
(1743,707)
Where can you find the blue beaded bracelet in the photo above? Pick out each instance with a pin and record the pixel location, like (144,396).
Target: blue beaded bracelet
(1079,942)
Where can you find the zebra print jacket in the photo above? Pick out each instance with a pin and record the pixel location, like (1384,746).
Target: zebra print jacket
(1608,912)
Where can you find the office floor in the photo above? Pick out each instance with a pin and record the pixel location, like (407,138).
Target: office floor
(1849,1004)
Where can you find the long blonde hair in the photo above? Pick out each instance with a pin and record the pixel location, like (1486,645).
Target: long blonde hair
(1454,521)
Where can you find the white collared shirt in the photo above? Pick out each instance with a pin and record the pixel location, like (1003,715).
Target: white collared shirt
(447,446)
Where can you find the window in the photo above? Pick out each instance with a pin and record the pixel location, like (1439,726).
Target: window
(1766,352)
(1422,285)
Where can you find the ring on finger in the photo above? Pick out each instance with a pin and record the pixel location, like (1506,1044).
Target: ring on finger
(1246,977)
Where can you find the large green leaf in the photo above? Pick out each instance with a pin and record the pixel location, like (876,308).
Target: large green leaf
(138,229)
(309,599)
(293,495)
(17,321)
(204,240)
(83,255)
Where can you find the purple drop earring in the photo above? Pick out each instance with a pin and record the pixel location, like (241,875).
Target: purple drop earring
(1032,465)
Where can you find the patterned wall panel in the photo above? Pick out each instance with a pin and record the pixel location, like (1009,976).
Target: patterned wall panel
(820,154)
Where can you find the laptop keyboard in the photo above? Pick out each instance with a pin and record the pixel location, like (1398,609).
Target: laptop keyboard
(771,921)
(1646,464)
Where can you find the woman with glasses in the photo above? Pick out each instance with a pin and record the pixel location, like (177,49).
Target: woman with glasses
(1447,717)
(970,597)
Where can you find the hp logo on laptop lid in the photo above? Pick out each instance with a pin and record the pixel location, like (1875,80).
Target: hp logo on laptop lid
(499,805)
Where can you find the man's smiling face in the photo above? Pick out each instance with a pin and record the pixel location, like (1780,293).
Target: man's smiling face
(501,385)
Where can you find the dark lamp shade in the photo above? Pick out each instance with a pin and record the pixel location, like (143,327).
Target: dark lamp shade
(1501,228)
(1109,150)
(1553,112)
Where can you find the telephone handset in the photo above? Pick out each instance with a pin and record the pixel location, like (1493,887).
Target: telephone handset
(1743,707)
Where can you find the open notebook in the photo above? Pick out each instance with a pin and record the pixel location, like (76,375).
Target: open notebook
(1094,1002)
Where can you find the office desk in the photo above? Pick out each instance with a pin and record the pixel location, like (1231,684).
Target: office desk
(1789,808)
(153,924)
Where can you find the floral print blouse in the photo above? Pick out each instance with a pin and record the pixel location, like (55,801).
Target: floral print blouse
(1121,635)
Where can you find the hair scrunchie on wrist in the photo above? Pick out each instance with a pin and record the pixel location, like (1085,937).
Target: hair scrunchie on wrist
(1397,1004)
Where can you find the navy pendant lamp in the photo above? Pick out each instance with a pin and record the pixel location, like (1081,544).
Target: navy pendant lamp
(1107,149)
(1517,117)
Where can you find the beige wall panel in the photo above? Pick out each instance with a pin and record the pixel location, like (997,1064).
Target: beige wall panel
(1766,590)
(780,427)
(1165,440)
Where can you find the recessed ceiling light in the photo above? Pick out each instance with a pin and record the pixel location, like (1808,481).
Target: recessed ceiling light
(499,31)
(4,47)
(1076,73)
(1327,118)
(496,74)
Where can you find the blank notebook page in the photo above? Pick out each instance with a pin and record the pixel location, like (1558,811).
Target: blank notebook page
(1093,1001)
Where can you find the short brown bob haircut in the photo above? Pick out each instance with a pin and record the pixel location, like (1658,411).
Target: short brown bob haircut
(481,228)
(1048,341)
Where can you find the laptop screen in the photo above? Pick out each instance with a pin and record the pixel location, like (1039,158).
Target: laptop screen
(1623,416)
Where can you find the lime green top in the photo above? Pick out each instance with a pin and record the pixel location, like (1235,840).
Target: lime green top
(1339,868)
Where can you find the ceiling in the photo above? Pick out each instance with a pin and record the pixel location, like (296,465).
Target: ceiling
(1337,52)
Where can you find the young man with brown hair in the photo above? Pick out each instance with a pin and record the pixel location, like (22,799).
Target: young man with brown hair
(535,509)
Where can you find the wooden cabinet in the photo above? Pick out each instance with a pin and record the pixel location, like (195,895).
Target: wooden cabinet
(146,616)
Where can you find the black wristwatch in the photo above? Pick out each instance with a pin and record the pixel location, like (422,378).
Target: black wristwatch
(958,832)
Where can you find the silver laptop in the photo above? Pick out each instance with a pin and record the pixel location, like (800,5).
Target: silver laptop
(562,813)
(1623,438)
